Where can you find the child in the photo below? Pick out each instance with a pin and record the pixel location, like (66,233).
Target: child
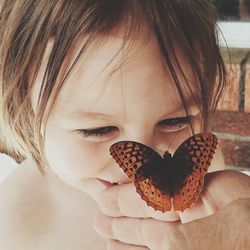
(78,76)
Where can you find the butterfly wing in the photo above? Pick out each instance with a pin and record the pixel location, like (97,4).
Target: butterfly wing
(193,157)
(153,196)
(140,162)
(131,156)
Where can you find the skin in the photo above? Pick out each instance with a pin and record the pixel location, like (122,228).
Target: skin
(144,96)
(219,220)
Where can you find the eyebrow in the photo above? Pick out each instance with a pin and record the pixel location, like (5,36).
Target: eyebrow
(81,114)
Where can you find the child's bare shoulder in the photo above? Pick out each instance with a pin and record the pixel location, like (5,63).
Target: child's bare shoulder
(23,209)
(32,215)
(20,187)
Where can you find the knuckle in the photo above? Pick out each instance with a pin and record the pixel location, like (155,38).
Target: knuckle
(236,229)
(174,239)
(112,245)
(244,203)
(240,207)
(117,245)
(103,225)
(120,202)
(108,202)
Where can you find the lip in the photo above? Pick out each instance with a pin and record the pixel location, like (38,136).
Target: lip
(106,183)
(109,184)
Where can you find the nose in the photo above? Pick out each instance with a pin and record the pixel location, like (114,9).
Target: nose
(143,135)
(149,138)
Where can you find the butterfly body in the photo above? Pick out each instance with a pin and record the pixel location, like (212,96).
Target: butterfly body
(164,174)
(160,174)
(167,181)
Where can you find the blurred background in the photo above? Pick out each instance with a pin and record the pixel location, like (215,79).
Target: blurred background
(232,119)
(232,10)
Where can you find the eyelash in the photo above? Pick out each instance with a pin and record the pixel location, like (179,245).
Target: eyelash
(175,121)
(106,131)
(97,132)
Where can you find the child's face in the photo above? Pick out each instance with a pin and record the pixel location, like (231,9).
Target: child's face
(134,103)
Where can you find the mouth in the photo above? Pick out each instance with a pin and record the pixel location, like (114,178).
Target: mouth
(109,184)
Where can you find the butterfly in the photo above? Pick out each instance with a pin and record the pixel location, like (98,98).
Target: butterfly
(169,181)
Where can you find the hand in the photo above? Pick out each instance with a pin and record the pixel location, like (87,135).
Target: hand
(129,223)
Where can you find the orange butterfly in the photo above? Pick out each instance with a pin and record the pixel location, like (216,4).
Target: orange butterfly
(169,181)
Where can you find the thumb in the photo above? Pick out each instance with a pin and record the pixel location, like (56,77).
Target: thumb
(220,189)
(227,229)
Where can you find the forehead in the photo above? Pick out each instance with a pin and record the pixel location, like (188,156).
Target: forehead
(111,72)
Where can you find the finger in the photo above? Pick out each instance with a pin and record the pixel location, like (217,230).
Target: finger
(123,200)
(117,245)
(227,229)
(134,231)
(220,189)
(225,186)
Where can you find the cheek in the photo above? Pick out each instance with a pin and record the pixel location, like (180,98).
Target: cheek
(176,140)
(71,158)
(179,138)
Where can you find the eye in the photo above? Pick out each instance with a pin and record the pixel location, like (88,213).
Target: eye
(174,124)
(97,132)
